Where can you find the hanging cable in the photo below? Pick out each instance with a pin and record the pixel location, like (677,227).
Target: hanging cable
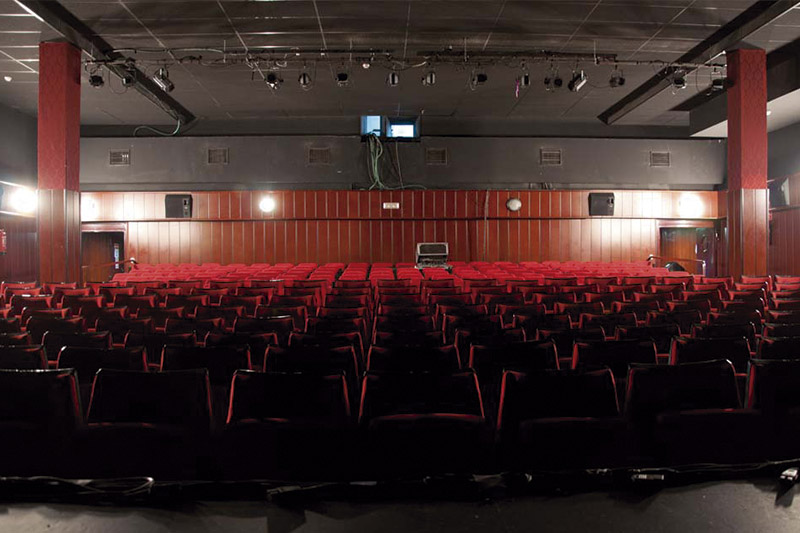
(159,132)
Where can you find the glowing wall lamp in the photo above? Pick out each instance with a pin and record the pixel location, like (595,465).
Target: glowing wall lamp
(690,206)
(23,200)
(89,209)
(267,204)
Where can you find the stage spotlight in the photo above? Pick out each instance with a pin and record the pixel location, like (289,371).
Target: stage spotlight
(305,80)
(161,78)
(577,82)
(718,84)
(617,79)
(342,79)
(7,79)
(393,79)
(557,82)
(429,79)
(525,80)
(96,81)
(267,204)
(273,80)
(23,200)
(678,80)
(129,78)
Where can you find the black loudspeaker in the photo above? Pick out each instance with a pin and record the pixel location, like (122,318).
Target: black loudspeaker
(601,204)
(778,193)
(178,205)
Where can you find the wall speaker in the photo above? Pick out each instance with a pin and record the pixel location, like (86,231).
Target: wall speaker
(178,205)
(601,204)
(778,193)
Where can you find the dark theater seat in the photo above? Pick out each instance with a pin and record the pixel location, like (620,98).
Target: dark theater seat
(147,424)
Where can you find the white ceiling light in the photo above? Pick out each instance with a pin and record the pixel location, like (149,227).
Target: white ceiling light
(769,112)
(8,78)
(267,204)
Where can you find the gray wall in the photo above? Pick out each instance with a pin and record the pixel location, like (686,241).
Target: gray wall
(784,151)
(179,163)
(17,147)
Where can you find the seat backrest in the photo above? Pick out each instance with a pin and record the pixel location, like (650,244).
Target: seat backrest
(282,325)
(747,331)
(654,389)
(318,360)
(779,348)
(772,385)
(616,355)
(420,393)
(528,356)
(781,330)
(47,398)
(10,325)
(556,394)
(19,302)
(692,350)
(425,358)
(14,339)
(565,338)
(53,341)
(27,357)
(87,361)
(220,361)
(37,326)
(180,398)
(289,397)
(661,335)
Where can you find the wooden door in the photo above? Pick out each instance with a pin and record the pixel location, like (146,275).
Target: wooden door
(98,249)
(680,245)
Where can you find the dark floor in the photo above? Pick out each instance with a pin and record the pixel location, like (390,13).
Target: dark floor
(725,506)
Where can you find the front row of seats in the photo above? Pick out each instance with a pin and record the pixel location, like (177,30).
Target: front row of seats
(301,426)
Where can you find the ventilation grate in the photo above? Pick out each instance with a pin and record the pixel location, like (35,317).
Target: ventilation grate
(436,156)
(659,159)
(549,157)
(119,158)
(217,156)
(319,156)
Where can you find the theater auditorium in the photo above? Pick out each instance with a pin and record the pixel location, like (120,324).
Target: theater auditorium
(399,265)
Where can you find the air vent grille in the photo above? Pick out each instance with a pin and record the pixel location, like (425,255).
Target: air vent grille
(119,158)
(549,157)
(217,156)
(659,159)
(319,156)
(436,156)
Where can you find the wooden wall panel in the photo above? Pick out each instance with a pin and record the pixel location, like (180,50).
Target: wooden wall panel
(326,226)
(21,259)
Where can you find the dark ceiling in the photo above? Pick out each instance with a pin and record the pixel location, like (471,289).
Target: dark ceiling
(633,30)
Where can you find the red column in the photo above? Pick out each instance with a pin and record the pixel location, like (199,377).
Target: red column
(59,162)
(748,212)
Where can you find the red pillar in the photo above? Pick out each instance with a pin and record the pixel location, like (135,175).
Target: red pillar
(59,162)
(748,212)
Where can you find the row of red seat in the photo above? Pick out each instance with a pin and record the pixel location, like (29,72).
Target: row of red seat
(302,426)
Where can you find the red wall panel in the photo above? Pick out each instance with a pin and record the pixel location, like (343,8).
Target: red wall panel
(325,226)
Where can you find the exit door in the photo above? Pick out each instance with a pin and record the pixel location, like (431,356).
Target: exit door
(99,250)
(689,248)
